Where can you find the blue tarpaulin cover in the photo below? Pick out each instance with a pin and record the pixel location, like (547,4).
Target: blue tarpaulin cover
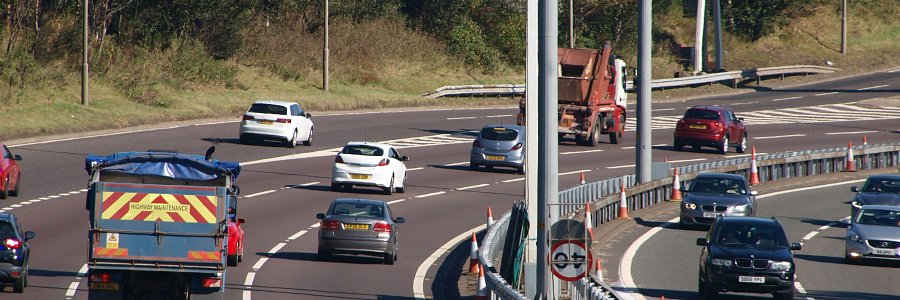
(164,164)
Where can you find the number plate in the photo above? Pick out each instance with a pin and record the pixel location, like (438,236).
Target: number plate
(697,126)
(265,122)
(878,251)
(360,176)
(752,279)
(356,226)
(707,214)
(495,157)
(104,286)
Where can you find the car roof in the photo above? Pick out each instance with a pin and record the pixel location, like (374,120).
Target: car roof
(358,200)
(711,107)
(885,176)
(282,103)
(748,220)
(5,216)
(720,175)
(516,127)
(881,207)
(379,145)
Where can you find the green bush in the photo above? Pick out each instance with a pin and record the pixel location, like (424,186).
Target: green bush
(467,40)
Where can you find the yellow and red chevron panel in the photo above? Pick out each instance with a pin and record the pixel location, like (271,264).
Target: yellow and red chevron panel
(100,251)
(205,255)
(168,204)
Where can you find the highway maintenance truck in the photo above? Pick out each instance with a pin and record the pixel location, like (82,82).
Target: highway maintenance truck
(592,97)
(158,224)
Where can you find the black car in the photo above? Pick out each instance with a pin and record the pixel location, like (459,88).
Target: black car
(711,195)
(746,254)
(14,252)
(883,189)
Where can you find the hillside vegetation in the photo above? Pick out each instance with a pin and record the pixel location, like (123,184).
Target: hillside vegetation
(156,61)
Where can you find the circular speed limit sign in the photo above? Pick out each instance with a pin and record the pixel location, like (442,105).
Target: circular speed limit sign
(569,260)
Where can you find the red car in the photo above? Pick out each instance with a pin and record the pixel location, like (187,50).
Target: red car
(9,173)
(235,235)
(713,126)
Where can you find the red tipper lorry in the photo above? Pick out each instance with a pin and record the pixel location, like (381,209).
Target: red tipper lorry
(158,224)
(592,97)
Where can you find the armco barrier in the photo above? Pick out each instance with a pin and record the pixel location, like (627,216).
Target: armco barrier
(604,197)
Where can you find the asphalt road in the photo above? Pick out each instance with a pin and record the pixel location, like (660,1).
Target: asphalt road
(281,197)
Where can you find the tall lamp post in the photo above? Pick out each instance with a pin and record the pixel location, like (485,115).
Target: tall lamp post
(84,66)
(325,52)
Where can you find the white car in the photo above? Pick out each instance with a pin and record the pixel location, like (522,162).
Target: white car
(369,164)
(277,120)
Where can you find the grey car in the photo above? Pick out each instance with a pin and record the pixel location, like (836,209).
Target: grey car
(874,233)
(882,189)
(716,194)
(499,146)
(359,227)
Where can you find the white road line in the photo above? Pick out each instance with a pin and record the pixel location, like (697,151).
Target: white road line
(83,190)
(396,201)
(456,164)
(297,235)
(246,295)
(462,118)
(311,183)
(580,152)
(53,196)
(851,132)
(574,172)
(783,99)
(83,271)
(621,167)
(7,208)
(276,248)
(629,147)
(513,180)
(72,288)
(498,116)
(419,279)
(259,264)
(416,169)
(686,160)
(662,109)
(660,145)
(316,225)
(472,187)
(892,71)
(249,281)
(810,235)
(15,205)
(431,194)
(743,103)
(26,202)
(872,87)
(799,287)
(826,94)
(827,226)
(777,136)
(260,194)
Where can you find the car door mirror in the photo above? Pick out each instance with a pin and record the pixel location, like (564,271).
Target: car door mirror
(740,119)
(702,242)
(29,235)
(320,216)
(404,158)
(399,220)
(754,193)
(308,115)
(796,246)
(241,220)
(237,190)
(854,189)
(17,157)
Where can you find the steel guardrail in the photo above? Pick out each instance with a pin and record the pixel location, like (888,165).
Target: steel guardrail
(605,196)
(732,76)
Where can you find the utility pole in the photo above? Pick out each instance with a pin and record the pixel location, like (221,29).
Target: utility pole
(84,50)
(844,27)
(698,43)
(644,76)
(548,152)
(531,149)
(717,14)
(325,52)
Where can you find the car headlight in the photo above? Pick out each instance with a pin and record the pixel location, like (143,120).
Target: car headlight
(853,236)
(691,206)
(721,262)
(739,209)
(856,204)
(780,266)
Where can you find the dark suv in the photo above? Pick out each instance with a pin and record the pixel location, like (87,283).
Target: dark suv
(746,254)
(714,126)
(14,252)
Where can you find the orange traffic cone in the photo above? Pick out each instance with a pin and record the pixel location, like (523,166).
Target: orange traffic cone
(473,256)
(582,177)
(851,165)
(481,292)
(676,187)
(623,205)
(598,272)
(754,173)
(490,218)
(588,222)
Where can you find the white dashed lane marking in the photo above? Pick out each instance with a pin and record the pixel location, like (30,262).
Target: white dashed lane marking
(778,136)
(872,87)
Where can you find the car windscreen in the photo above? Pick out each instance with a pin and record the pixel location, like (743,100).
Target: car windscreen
(882,185)
(6,230)
(752,235)
(358,210)
(499,133)
(701,114)
(881,217)
(263,108)
(362,150)
(718,186)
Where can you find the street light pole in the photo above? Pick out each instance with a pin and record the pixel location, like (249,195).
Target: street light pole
(325,52)
(84,50)
(844,27)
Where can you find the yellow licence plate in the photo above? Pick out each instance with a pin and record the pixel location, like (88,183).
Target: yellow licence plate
(356,226)
(695,126)
(360,176)
(265,122)
(495,157)
(105,286)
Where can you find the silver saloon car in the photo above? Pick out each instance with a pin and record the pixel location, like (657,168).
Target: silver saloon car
(716,194)
(359,227)
(874,233)
(881,189)
(499,146)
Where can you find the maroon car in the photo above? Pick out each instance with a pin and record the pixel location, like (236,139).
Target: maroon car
(713,126)
(9,173)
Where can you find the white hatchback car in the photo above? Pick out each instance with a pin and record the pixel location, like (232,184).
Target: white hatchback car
(277,120)
(369,164)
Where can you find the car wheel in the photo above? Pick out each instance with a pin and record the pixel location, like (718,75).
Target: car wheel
(701,288)
(324,255)
(402,189)
(489,168)
(788,295)
(308,142)
(15,192)
(615,137)
(336,187)
(390,188)
(5,191)
(473,166)
(709,292)
(520,170)
(742,147)
(679,146)
(293,141)
(19,283)
(241,254)
(232,260)
(723,147)
(594,137)
(389,258)
(244,140)
(696,148)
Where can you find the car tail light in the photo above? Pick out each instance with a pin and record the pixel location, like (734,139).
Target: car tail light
(338,159)
(282,120)
(12,244)
(384,162)
(212,282)
(720,125)
(248,118)
(680,124)
(330,224)
(382,226)
(102,277)
(517,147)
(476,144)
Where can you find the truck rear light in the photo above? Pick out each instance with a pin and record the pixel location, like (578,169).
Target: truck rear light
(517,147)
(212,282)
(330,224)
(282,120)
(101,277)
(476,144)
(338,159)
(12,244)
(382,226)
(384,162)
(248,118)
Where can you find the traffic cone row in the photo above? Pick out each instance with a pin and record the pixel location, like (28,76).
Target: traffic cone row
(482,292)
(676,187)
(754,173)
(851,165)
(623,204)
(473,256)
